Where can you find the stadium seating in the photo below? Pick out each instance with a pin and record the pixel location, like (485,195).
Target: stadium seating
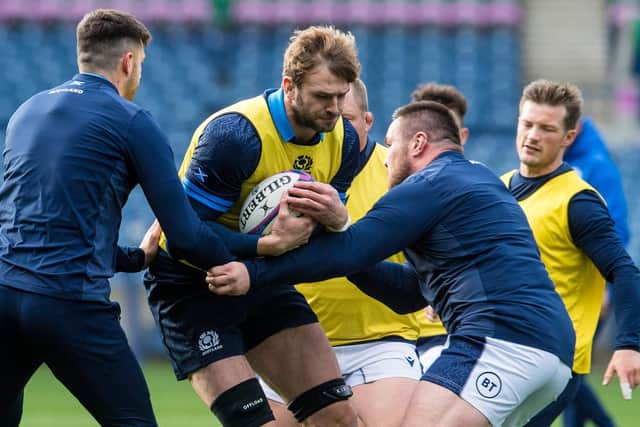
(185,11)
(193,67)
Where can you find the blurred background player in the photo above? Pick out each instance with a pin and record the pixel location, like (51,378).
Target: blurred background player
(73,153)
(375,347)
(576,236)
(448,96)
(218,341)
(432,333)
(590,158)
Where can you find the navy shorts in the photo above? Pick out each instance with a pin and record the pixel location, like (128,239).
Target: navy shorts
(85,347)
(199,327)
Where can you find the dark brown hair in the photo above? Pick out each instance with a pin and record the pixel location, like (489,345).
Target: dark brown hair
(430,117)
(446,95)
(321,44)
(103,35)
(552,93)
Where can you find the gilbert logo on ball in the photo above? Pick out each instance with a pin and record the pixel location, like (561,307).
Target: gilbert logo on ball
(261,206)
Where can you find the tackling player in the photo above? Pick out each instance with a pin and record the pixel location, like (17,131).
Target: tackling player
(471,255)
(433,335)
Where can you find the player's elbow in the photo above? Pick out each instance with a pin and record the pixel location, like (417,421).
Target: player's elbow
(183,246)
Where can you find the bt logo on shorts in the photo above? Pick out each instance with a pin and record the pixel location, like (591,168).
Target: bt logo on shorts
(488,385)
(209,342)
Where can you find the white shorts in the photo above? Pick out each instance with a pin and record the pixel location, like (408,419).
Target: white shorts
(368,362)
(508,383)
(430,350)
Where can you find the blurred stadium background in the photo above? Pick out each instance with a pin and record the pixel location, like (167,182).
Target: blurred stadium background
(209,53)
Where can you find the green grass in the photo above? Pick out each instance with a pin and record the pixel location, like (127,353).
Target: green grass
(49,404)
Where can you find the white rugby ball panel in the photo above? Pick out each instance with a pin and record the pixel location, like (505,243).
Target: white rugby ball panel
(263,202)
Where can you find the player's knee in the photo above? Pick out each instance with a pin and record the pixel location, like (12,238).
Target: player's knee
(321,396)
(243,405)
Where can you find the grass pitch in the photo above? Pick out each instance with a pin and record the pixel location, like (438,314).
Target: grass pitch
(49,404)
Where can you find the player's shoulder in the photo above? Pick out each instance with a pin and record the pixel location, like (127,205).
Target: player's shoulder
(130,108)
(233,124)
(229,138)
(350,133)
(351,139)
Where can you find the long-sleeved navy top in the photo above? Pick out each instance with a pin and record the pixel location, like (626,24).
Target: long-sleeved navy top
(72,156)
(589,156)
(470,251)
(592,230)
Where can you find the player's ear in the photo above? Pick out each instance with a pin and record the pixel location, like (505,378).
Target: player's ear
(570,137)
(464,135)
(288,86)
(368,120)
(418,144)
(126,63)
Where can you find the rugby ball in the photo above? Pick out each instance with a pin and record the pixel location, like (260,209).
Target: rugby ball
(261,206)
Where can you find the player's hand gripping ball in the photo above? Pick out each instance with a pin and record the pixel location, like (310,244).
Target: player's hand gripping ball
(261,206)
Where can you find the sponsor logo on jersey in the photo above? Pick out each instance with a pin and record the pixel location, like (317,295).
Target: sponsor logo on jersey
(303,162)
(65,89)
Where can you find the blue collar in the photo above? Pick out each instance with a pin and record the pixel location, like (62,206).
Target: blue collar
(275,100)
(89,77)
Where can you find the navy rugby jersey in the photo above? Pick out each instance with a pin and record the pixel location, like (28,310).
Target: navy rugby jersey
(72,156)
(470,250)
(592,230)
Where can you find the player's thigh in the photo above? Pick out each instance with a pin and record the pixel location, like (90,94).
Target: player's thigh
(285,343)
(436,406)
(498,377)
(383,375)
(289,349)
(295,360)
(383,403)
(92,358)
(22,348)
(551,411)
(214,379)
